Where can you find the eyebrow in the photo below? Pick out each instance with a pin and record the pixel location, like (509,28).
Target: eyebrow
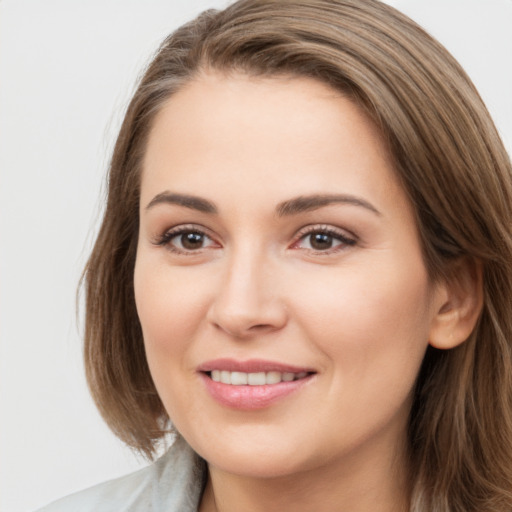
(293,206)
(192,202)
(309,203)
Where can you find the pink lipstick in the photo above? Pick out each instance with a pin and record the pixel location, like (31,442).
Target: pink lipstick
(252,384)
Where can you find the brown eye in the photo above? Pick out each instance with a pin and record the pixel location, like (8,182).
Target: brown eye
(321,241)
(325,240)
(184,240)
(191,241)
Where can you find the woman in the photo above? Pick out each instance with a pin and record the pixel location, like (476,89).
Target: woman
(305,265)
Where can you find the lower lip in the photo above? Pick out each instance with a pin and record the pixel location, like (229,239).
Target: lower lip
(251,397)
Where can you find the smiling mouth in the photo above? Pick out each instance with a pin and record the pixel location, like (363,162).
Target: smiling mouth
(256,378)
(254,384)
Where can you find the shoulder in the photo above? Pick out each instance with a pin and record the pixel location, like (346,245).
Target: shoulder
(172,484)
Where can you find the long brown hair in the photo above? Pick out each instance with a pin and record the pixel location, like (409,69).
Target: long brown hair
(452,164)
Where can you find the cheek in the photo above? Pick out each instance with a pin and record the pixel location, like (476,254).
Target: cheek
(171,307)
(373,324)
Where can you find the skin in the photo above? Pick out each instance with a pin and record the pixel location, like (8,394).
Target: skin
(361,314)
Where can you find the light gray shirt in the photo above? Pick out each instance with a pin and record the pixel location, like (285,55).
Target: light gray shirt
(173,483)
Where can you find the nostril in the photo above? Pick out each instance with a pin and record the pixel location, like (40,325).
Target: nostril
(242,319)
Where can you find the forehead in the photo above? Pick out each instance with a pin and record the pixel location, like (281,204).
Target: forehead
(273,137)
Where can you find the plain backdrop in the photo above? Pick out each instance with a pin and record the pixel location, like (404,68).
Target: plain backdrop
(67,69)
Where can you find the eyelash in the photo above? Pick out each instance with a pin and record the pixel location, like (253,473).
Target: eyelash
(346,241)
(336,234)
(165,239)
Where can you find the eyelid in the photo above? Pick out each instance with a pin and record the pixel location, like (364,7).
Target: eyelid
(347,238)
(170,233)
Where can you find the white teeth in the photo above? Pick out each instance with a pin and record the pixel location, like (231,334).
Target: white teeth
(254,379)
(238,379)
(273,377)
(225,377)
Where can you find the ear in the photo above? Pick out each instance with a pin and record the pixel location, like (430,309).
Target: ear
(458,301)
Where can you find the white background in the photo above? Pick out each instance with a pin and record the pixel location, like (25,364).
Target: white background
(67,69)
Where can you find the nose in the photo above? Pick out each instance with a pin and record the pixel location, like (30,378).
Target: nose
(248,302)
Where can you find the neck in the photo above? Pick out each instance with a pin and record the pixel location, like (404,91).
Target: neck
(357,483)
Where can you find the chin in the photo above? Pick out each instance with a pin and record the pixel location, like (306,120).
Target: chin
(256,465)
(255,454)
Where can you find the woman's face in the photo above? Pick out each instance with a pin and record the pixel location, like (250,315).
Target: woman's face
(276,244)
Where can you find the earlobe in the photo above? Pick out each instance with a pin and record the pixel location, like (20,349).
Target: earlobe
(458,303)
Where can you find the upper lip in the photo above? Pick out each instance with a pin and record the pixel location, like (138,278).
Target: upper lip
(251,366)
